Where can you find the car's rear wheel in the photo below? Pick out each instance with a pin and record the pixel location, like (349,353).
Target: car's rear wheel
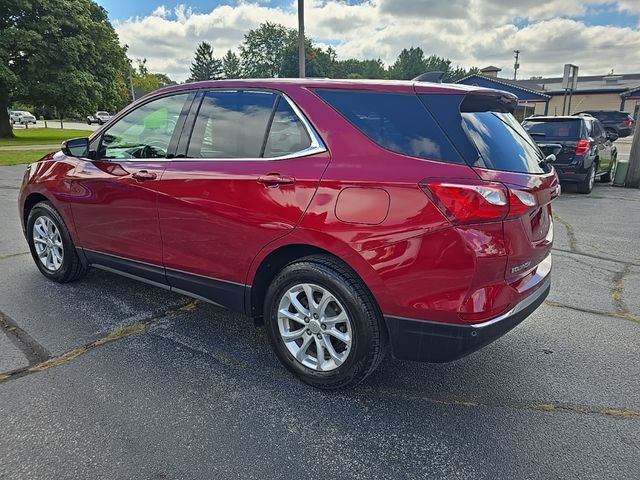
(611,174)
(586,185)
(323,323)
(88,122)
(51,246)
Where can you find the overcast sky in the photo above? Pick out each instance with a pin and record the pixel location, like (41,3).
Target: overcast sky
(598,36)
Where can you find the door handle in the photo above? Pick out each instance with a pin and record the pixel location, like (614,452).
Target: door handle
(143,175)
(275,180)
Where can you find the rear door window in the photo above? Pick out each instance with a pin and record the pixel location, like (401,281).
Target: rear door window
(395,121)
(287,134)
(231,125)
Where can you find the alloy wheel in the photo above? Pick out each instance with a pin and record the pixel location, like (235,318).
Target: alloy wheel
(314,327)
(48,243)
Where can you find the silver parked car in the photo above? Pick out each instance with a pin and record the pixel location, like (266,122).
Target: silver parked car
(101,117)
(22,117)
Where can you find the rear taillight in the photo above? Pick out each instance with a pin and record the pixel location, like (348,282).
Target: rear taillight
(583,146)
(627,122)
(475,202)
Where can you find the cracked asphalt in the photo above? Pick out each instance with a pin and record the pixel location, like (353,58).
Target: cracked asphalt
(109,378)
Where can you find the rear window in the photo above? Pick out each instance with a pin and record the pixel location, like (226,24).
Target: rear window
(395,121)
(553,129)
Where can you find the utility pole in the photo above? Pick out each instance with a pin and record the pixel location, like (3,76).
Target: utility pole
(633,172)
(301,49)
(516,65)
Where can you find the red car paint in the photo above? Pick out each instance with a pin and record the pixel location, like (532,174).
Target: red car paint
(357,200)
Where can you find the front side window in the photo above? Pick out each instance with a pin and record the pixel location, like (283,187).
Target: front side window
(145,132)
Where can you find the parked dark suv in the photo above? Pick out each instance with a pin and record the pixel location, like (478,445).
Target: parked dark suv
(583,150)
(613,121)
(347,216)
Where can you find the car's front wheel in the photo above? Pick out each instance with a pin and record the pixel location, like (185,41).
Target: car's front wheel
(51,246)
(323,323)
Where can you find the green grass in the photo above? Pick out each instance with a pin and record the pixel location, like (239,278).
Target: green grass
(14,157)
(42,136)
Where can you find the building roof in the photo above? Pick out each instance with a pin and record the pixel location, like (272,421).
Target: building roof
(587,83)
(491,68)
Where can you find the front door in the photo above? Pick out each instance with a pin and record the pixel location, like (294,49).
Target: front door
(251,168)
(115,196)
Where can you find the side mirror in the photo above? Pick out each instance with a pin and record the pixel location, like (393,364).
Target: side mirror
(76,147)
(612,136)
(550,158)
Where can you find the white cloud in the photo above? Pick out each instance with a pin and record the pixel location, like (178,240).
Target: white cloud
(470,32)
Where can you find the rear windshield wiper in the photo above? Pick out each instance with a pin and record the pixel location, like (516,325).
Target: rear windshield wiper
(537,134)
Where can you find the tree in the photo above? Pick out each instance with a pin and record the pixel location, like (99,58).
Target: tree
(318,62)
(410,64)
(263,50)
(62,53)
(147,81)
(354,68)
(205,66)
(231,67)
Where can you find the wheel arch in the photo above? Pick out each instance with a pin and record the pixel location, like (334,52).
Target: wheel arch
(279,257)
(31,201)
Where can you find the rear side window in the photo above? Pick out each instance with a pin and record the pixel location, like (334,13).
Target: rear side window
(554,129)
(396,121)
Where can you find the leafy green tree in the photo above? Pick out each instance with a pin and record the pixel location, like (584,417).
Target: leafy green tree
(319,63)
(205,66)
(354,68)
(62,53)
(410,64)
(231,67)
(147,81)
(263,50)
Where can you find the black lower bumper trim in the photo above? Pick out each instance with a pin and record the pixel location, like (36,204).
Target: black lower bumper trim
(427,341)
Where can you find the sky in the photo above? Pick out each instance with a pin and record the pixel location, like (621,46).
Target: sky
(598,36)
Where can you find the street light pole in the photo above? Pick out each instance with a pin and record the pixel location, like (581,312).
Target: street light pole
(301,49)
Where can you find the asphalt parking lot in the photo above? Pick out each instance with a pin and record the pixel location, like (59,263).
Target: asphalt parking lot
(109,378)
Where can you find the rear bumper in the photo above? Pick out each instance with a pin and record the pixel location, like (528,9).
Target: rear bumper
(571,177)
(427,341)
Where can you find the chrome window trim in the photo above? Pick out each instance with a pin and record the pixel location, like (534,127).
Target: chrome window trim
(317,145)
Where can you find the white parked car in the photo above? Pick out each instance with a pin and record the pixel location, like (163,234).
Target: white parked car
(21,117)
(100,118)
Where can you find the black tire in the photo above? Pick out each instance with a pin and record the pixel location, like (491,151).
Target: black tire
(608,176)
(88,122)
(369,336)
(71,268)
(100,122)
(586,185)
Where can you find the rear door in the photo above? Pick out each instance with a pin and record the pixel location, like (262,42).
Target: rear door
(249,167)
(498,148)
(603,146)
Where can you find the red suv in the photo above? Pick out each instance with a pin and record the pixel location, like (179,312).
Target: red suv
(344,215)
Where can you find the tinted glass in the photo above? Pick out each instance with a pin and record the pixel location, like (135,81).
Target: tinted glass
(554,129)
(502,142)
(145,132)
(287,134)
(231,125)
(396,121)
